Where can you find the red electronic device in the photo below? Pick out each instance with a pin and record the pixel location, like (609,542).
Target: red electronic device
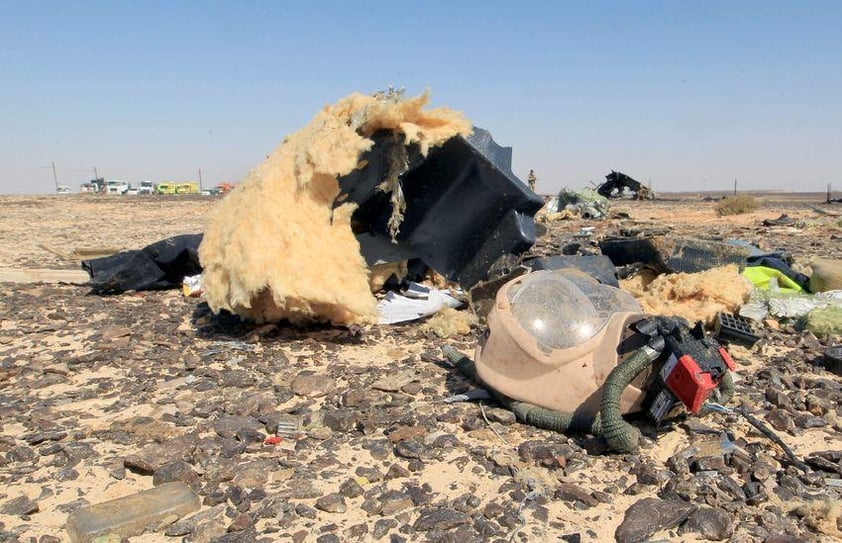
(693,369)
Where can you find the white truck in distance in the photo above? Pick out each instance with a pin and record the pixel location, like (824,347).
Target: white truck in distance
(116,186)
(146,187)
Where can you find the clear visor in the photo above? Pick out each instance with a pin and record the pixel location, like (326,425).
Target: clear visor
(562,310)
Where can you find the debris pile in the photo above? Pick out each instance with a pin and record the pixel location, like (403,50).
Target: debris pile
(386,182)
(617,184)
(128,413)
(585,204)
(266,254)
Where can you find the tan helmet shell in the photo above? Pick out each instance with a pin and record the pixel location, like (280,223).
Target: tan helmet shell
(570,380)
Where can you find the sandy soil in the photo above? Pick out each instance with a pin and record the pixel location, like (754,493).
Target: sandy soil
(148,339)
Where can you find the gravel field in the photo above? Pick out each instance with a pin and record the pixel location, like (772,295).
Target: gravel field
(103,397)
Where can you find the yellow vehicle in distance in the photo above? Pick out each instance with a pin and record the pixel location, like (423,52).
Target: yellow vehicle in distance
(165,188)
(187,188)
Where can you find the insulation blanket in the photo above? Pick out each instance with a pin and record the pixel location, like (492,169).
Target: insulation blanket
(276,247)
(693,296)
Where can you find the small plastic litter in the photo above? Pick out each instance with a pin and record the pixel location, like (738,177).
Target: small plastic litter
(417,291)
(470,396)
(793,306)
(755,309)
(223,346)
(288,428)
(395,308)
(735,329)
(191,286)
(709,447)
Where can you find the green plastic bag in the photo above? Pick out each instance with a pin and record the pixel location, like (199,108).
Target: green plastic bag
(761,275)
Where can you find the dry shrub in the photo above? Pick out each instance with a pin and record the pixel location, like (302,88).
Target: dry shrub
(736,205)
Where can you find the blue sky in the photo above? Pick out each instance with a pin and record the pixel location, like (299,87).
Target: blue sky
(685,95)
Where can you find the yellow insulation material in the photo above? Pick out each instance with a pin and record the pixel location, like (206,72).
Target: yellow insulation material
(449,323)
(694,296)
(275,248)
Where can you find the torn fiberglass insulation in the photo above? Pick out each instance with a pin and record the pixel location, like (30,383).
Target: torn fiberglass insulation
(278,248)
(693,296)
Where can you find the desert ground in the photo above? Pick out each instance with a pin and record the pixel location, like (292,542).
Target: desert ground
(105,396)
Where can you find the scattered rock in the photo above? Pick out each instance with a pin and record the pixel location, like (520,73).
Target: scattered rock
(440,519)
(190,525)
(332,503)
(571,492)
(371,430)
(20,506)
(303,489)
(649,515)
(341,420)
(253,474)
(312,385)
(230,425)
(709,523)
(411,448)
(394,502)
(396,471)
(351,489)
(40,437)
(781,420)
(241,523)
(176,471)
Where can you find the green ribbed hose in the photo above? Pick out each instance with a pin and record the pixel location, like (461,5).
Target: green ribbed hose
(558,421)
(534,415)
(619,434)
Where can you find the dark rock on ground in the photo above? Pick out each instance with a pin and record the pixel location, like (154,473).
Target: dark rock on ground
(332,503)
(440,519)
(649,515)
(709,523)
(21,505)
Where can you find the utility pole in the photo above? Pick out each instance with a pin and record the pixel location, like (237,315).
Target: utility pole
(55,177)
(735,186)
(96,173)
(828,193)
(200,181)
